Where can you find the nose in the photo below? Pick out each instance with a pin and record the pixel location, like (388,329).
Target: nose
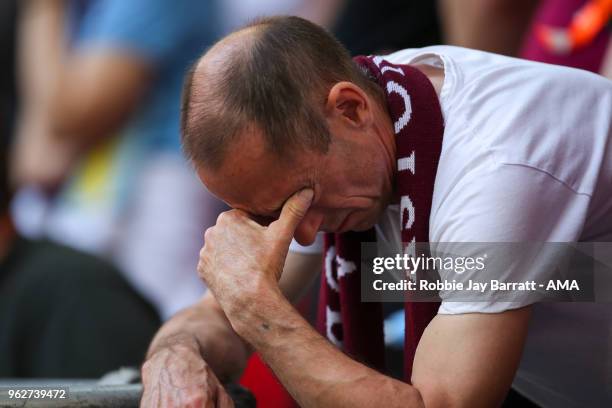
(306,231)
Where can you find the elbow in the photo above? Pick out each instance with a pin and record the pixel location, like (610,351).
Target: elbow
(409,396)
(75,118)
(68,124)
(394,393)
(96,94)
(412,398)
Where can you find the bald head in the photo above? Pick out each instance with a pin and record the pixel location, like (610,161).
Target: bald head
(270,78)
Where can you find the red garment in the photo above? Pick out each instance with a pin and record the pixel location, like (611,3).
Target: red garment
(354,326)
(261,381)
(559,13)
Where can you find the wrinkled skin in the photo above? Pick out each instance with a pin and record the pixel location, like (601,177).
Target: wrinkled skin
(250,255)
(177,376)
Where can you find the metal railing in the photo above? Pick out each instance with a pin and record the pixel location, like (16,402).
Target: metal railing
(89,393)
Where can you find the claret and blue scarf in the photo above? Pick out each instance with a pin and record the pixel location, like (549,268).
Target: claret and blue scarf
(354,326)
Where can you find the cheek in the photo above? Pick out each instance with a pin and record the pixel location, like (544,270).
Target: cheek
(362,220)
(359,181)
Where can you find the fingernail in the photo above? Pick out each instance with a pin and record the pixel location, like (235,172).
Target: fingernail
(306,194)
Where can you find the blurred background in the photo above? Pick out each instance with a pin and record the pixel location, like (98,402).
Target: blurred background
(101,217)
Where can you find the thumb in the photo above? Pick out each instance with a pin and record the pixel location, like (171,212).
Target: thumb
(294,210)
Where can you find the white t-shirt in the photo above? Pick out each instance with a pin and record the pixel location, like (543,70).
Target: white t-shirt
(526,156)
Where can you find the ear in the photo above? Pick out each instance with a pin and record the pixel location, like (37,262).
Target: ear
(349,103)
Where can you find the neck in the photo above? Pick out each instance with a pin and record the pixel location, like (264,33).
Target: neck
(386,139)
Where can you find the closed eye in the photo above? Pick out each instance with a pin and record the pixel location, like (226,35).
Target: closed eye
(266,216)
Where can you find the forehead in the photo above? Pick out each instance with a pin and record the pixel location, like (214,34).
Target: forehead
(254,179)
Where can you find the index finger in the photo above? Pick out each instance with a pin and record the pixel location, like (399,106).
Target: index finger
(294,210)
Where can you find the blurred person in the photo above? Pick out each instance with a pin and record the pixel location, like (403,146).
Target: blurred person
(574,33)
(98,150)
(365,27)
(63,314)
(235,13)
(8,13)
(400,24)
(417,146)
(66,314)
(489,25)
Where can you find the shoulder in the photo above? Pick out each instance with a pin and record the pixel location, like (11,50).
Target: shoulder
(554,119)
(506,203)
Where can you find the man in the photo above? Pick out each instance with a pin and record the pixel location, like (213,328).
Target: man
(284,128)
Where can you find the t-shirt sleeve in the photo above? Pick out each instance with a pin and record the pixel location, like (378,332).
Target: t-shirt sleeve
(151,29)
(509,203)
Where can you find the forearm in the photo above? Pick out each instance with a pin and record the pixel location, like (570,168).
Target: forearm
(489,25)
(322,12)
(315,372)
(84,95)
(204,328)
(97,92)
(40,53)
(37,156)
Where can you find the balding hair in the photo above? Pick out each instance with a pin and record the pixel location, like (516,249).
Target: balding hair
(272,76)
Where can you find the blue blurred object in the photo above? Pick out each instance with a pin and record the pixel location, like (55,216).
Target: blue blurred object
(394,328)
(170,35)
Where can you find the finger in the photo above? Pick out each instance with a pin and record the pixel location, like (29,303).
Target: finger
(212,385)
(293,211)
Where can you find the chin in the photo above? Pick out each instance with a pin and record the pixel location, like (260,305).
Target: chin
(363,227)
(366,222)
